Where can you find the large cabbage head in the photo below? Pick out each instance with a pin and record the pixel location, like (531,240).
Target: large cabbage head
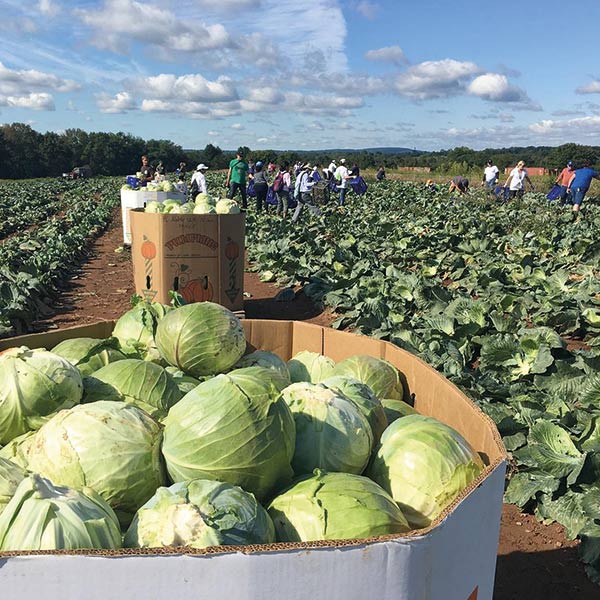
(89,354)
(364,398)
(185,383)
(17,450)
(424,465)
(381,376)
(112,447)
(310,366)
(335,506)
(11,475)
(43,516)
(143,384)
(396,409)
(331,431)
(200,513)
(268,360)
(227,207)
(33,385)
(202,338)
(136,328)
(233,428)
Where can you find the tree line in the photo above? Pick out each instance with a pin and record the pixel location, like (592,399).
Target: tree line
(26,153)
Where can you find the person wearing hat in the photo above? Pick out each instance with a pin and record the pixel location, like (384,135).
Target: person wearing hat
(261,185)
(198,185)
(303,192)
(342,175)
(236,177)
(516,181)
(580,182)
(491,175)
(563,180)
(331,169)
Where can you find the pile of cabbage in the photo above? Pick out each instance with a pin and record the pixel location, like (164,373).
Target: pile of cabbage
(202,205)
(171,433)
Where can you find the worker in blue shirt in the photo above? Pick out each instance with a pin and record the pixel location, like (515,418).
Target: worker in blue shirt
(580,183)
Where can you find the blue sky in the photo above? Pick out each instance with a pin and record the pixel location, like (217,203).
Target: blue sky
(317,74)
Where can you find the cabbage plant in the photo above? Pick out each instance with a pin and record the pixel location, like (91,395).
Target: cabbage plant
(43,516)
(11,475)
(364,398)
(381,376)
(335,506)
(233,428)
(310,366)
(331,431)
(424,464)
(33,385)
(89,354)
(110,446)
(200,513)
(138,382)
(202,338)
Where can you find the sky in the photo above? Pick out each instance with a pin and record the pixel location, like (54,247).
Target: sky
(293,74)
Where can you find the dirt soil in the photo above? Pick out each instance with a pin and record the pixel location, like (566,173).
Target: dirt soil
(535,561)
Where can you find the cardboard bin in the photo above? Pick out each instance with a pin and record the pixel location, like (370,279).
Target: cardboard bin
(199,256)
(138,199)
(453,559)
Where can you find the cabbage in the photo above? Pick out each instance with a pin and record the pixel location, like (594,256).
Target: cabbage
(331,431)
(268,360)
(89,354)
(233,428)
(335,506)
(364,398)
(204,209)
(395,409)
(169,204)
(200,513)
(204,198)
(126,187)
(424,465)
(10,477)
(227,207)
(42,516)
(202,338)
(381,376)
(167,186)
(310,366)
(138,382)
(34,384)
(183,209)
(136,328)
(153,207)
(110,446)
(185,383)
(17,450)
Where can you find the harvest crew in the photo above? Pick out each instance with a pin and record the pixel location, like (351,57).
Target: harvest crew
(580,182)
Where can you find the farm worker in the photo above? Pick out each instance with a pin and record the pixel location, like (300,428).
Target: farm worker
(303,193)
(236,177)
(563,180)
(283,193)
(160,168)
(342,175)
(491,174)
(380,173)
(331,169)
(431,186)
(460,184)
(147,170)
(198,185)
(516,181)
(580,183)
(261,185)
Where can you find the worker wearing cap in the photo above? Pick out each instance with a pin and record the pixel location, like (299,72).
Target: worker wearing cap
(491,175)
(199,180)
(580,182)
(342,175)
(563,180)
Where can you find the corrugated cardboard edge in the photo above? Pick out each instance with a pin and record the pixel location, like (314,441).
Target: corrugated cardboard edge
(286,338)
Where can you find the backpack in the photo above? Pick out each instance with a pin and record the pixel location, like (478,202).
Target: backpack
(278,183)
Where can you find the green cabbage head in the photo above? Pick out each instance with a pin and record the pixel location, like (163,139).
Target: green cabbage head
(268,360)
(396,409)
(89,354)
(424,465)
(233,428)
(202,338)
(42,516)
(112,447)
(17,450)
(310,366)
(331,431)
(200,513)
(33,385)
(335,506)
(381,376)
(11,475)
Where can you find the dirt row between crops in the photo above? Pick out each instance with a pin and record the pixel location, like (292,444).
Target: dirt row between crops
(534,561)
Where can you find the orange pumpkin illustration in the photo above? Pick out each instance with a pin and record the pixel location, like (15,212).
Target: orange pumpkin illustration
(148,250)
(198,290)
(232,250)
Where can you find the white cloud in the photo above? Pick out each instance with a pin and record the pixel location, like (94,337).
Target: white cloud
(590,88)
(237,126)
(368,10)
(582,127)
(119,103)
(33,101)
(26,81)
(192,87)
(496,88)
(262,140)
(212,133)
(48,8)
(435,79)
(392,54)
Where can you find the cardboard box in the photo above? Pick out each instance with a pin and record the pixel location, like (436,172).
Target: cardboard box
(454,559)
(138,199)
(199,256)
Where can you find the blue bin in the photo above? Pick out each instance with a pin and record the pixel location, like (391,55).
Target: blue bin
(133,181)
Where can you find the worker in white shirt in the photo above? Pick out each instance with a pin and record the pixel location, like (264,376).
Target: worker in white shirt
(341,176)
(198,185)
(303,192)
(491,174)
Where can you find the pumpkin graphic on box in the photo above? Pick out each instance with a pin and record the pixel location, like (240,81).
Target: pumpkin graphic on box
(148,249)
(197,290)
(232,250)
